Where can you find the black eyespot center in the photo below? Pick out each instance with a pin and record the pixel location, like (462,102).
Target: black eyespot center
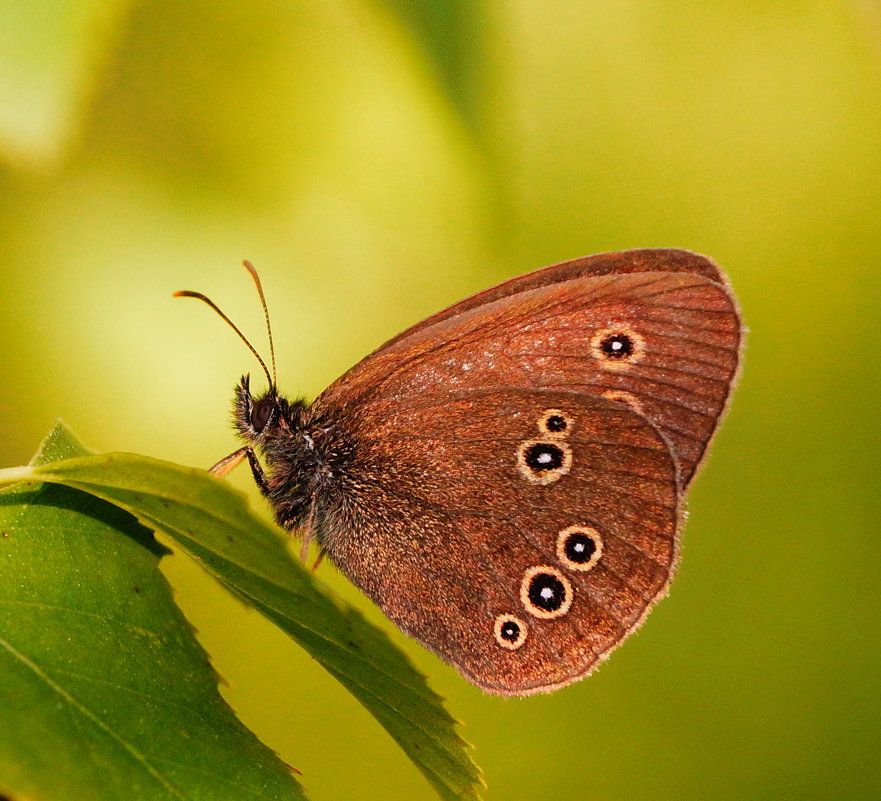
(261,413)
(544,461)
(546,592)
(617,346)
(579,547)
(556,423)
(509,631)
(542,456)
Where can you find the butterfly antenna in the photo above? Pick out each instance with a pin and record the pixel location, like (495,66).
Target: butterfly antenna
(185,293)
(253,270)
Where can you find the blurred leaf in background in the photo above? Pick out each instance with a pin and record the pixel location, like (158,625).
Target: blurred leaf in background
(378,161)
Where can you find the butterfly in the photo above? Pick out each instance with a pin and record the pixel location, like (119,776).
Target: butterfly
(506,479)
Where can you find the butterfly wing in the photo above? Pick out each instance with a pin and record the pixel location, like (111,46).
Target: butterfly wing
(644,260)
(669,313)
(513,497)
(472,517)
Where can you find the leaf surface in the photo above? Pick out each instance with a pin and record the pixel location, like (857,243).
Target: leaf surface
(211,522)
(104,691)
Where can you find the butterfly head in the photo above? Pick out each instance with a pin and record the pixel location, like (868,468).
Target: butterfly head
(252,416)
(299,450)
(263,419)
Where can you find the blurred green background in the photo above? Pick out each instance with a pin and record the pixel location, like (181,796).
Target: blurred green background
(380,160)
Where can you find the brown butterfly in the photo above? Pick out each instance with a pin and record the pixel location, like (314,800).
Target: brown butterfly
(506,479)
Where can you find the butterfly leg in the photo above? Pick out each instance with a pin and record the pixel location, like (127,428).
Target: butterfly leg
(228,463)
(307,531)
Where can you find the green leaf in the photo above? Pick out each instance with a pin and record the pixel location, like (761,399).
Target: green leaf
(213,524)
(104,692)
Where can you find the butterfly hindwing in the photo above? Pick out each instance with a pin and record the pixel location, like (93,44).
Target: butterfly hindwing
(449,506)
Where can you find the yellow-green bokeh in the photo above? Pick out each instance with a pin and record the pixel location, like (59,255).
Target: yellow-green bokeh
(377,164)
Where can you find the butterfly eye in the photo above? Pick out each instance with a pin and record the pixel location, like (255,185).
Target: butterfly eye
(261,413)
(545,592)
(579,547)
(509,631)
(617,347)
(555,423)
(544,461)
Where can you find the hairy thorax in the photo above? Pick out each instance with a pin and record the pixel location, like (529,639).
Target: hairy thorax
(303,453)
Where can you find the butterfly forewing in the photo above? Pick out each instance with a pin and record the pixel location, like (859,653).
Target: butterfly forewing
(665,343)
(465,509)
(645,260)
